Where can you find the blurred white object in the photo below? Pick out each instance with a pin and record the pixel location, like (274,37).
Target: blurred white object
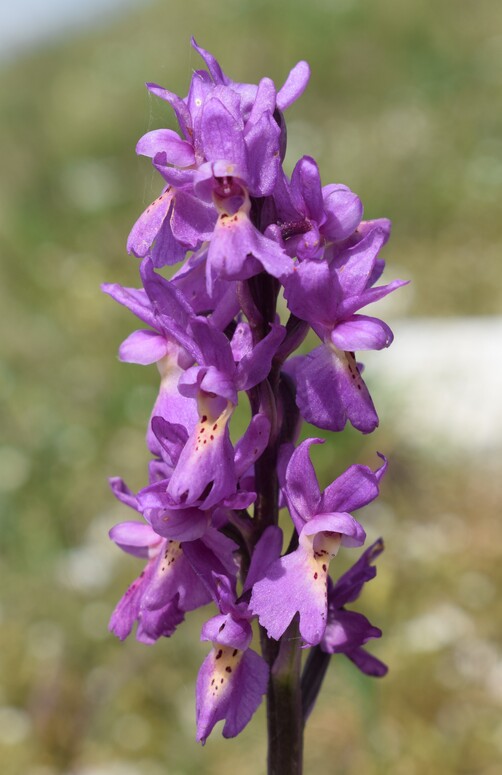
(440,383)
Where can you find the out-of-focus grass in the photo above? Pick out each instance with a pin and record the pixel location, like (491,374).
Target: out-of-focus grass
(403,107)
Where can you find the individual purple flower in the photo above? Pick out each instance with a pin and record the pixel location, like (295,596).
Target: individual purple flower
(140,540)
(229,125)
(297,582)
(164,308)
(171,583)
(238,250)
(347,631)
(173,223)
(310,216)
(330,389)
(233,678)
(205,473)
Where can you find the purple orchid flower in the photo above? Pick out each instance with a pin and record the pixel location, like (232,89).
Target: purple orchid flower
(347,631)
(330,389)
(238,250)
(171,583)
(207,459)
(310,216)
(223,473)
(233,678)
(229,130)
(165,309)
(297,583)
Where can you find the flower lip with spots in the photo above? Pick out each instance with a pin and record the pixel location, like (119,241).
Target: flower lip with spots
(297,582)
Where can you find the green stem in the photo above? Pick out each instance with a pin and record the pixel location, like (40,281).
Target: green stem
(284,704)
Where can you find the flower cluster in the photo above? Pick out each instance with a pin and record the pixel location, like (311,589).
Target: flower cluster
(243,231)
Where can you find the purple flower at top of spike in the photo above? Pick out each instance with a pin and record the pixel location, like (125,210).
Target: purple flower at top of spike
(297,583)
(229,131)
(347,631)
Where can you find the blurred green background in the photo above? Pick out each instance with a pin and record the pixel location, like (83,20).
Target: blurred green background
(404,106)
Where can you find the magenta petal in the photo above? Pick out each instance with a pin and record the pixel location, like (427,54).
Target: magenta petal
(262,143)
(361,332)
(178,105)
(161,623)
(294,85)
(266,552)
(134,299)
(355,265)
(173,575)
(218,383)
(212,64)
(369,296)
(367,663)
(166,249)
(222,136)
(230,686)
(123,493)
(134,537)
(237,249)
(148,225)
(250,685)
(313,293)
(171,406)
(293,584)
(178,524)
(264,101)
(255,365)
(226,630)
(205,473)
(306,191)
(127,609)
(330,391)
(343,209)
(242,341)
(143,347)
(351,531)
(355,488)
(302,489)
(176,150)
(249,448)
(348,629)
(192,221)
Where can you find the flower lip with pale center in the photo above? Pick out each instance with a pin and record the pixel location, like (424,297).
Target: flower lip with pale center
(326,544)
